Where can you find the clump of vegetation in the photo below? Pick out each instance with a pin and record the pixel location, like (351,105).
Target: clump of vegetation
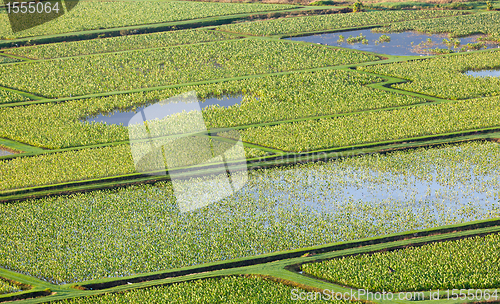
(473,46)
(322,3)
(357,6)
(382,39)
(438,51)
(341,39)
(360,38)
(457,6)
(494,38)
(489,5)
(452,42)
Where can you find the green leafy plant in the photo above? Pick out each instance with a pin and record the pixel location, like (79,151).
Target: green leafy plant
(357,6)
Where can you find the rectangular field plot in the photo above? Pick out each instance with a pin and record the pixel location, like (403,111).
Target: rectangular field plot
(446,76)
(377,126)
(141,228)
(329,22)
(459,26)
(266,99)
(470,263)
(116,44)
(85,164)
(169,66)
(89,15)
(232,290)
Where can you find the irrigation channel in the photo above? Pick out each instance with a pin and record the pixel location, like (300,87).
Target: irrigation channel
(400,44)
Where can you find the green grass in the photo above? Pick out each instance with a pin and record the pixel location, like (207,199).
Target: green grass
(232,290)
(141,228)
(443,76)
(115,44)
(471,263)
(169,66)
(329,22)
(377,126)
(89,15)
(458,26)
(279,98)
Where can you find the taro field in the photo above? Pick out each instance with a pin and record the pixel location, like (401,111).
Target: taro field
(232,152)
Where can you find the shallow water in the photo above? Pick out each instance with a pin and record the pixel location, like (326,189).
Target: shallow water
(400,44)
(325,191)
(5,152)
(484,73)
(162,110)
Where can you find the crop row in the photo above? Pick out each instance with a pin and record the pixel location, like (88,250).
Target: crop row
(327,22)
(169,66)
(115,44)
(377,126)
(279,98)
(471,263)
(231,290)
(7,287)
(8,96)
(141,228)
(89,15)
(444,76)
(458,26)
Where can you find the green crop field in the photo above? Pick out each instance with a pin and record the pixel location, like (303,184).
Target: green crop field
(157,151)
(89,15)
(169,66)
(458,26)
(227,290)
(302,94)
(329,22)
(117,44)
(444,76)
(463,264)
(370,127)
(113,233)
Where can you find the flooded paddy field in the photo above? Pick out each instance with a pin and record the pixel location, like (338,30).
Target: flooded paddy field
(141,228)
